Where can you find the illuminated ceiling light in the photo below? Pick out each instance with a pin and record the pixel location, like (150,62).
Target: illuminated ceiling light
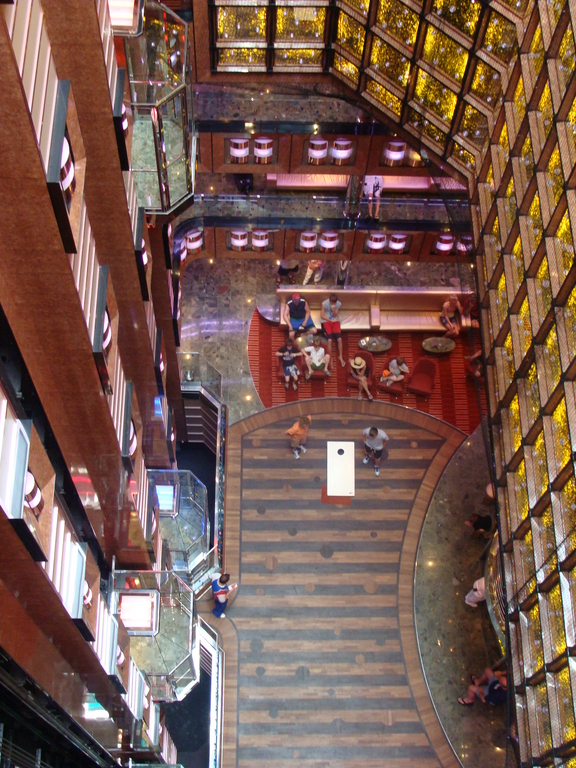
(263,150)
(239,150)
(194,242)
(260,240)
(33,495)
(126,16)
(308,240)
(239,239)
(317,151)
(67,178)
(376,242)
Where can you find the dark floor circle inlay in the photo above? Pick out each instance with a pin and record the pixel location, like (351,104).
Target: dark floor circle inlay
(373,535)
(273,711)
(326,551)
(261,509)
(302,673)
(316,478)
(337,724)
(292,531)
(330,691)
(260,671)
(256,645)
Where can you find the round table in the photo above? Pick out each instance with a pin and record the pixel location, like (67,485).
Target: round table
(438,345)
(375,344)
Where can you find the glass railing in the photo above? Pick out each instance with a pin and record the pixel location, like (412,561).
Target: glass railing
(397,208)
(198,374)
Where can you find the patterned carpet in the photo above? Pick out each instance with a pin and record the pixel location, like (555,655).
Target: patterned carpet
(454,398)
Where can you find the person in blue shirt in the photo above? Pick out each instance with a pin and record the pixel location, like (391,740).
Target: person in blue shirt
(491,688)
(220,590)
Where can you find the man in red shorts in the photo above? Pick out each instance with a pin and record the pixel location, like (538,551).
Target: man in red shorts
(331,323)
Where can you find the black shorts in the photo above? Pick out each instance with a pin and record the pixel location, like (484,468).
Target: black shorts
(283,272)
(377,454)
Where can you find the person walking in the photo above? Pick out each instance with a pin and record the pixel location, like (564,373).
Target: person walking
(220,591)
(330,316)
(315,268)
(374,440)
(298,434)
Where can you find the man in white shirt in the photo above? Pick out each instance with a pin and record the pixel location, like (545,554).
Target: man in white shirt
(374,440)
(317,359)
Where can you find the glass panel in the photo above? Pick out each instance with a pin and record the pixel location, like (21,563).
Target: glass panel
(500,38)
(445,54)
(569,312)
(197,372)
(545,558)
(526,162)
(551,358)
(519,104)
(532,641)
(545,114)
(384,96)
(552,624)
(463,156)
(501,301)
(487,84)
(565,60)
(539,717)
(554,177)
(298,57)
(536,55)
(242,59)
(390,63)
(561,435)
(514,430)
(346,68)
(564,248)
(554,8)
(427,128)
(541,295)
(534,224)
(503,148)
(532,395)
(474,128)
(241,23)
(463,16)
(524,329)
(564,510)
(539,470)
(350,34)
(399,21)
(561,708)
(300,24)
(435,96)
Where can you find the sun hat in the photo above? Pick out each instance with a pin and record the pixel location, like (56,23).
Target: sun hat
(358,362)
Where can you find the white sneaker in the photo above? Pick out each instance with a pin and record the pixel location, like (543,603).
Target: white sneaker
(302,449)
(366,459)
(222,615)
(296,454)
(376,471)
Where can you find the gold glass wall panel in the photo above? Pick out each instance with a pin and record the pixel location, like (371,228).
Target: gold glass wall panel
(241,23)
(390,63)
(444,54)
(474,127)
(347,68)
(295,24)
(384,96)
(298,58)
(500,38)
(399,21)
(242,58)
(435,96)
(463,16)
(350,34)
(426,128)
(487,84)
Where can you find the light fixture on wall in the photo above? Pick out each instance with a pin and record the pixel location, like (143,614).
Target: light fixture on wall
(329,241)
(308,241)
(413,159)
(397,242)
(317,150)
(67,177)
(124,121)
(263,149)
(144,253)
(394,153)
(133,445)
(87,595)
(238,239)
(194,241)
(464,244)
(376,242)
(33,495)
(260,240)
(106,332)
(239,150)
(120,657)
(445,243)
(341,151)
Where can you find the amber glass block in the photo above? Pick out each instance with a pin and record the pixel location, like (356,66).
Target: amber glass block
(539,719)
(298,57)
(568,588)
(532,641)
(434,96)
(507,363)
(500,38)
(569,313)
(549,374)
(532,395)
(346,67)
(501,300)
(384,96)
(518,6)
(534,223)
(545,113)
(540,469)
(544,544)
(390,63)
(360,6)
(524,568)
(564,510)
(524,743)
(463,156)
(514,424)
(464,16)
(398,20)
(241,23)
(474,128)
(300,24)
(503,148)
(524,328)
(564,247)
(509,205)
(487,84)
(445,54)
(561,709)
(242,57)
(519,104)
(565,60)
(521,495)
(554,8)
(515,267)
(350,34)
(571,132)
(554,176)
(553,624)
(425,127)
(536,54)
(526,162)
(561,435)
(541,295)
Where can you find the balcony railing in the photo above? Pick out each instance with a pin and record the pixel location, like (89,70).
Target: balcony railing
(198,374)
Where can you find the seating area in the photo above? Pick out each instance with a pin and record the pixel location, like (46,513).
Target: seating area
(378,309)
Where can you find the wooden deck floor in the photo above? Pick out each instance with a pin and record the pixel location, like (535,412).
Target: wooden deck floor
(322,667)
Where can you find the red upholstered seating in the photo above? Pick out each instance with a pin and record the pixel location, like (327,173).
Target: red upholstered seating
(299,364)
(369,360)
(423,376)
(395,388)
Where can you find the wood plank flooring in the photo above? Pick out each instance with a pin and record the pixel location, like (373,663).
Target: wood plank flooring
(322,666)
